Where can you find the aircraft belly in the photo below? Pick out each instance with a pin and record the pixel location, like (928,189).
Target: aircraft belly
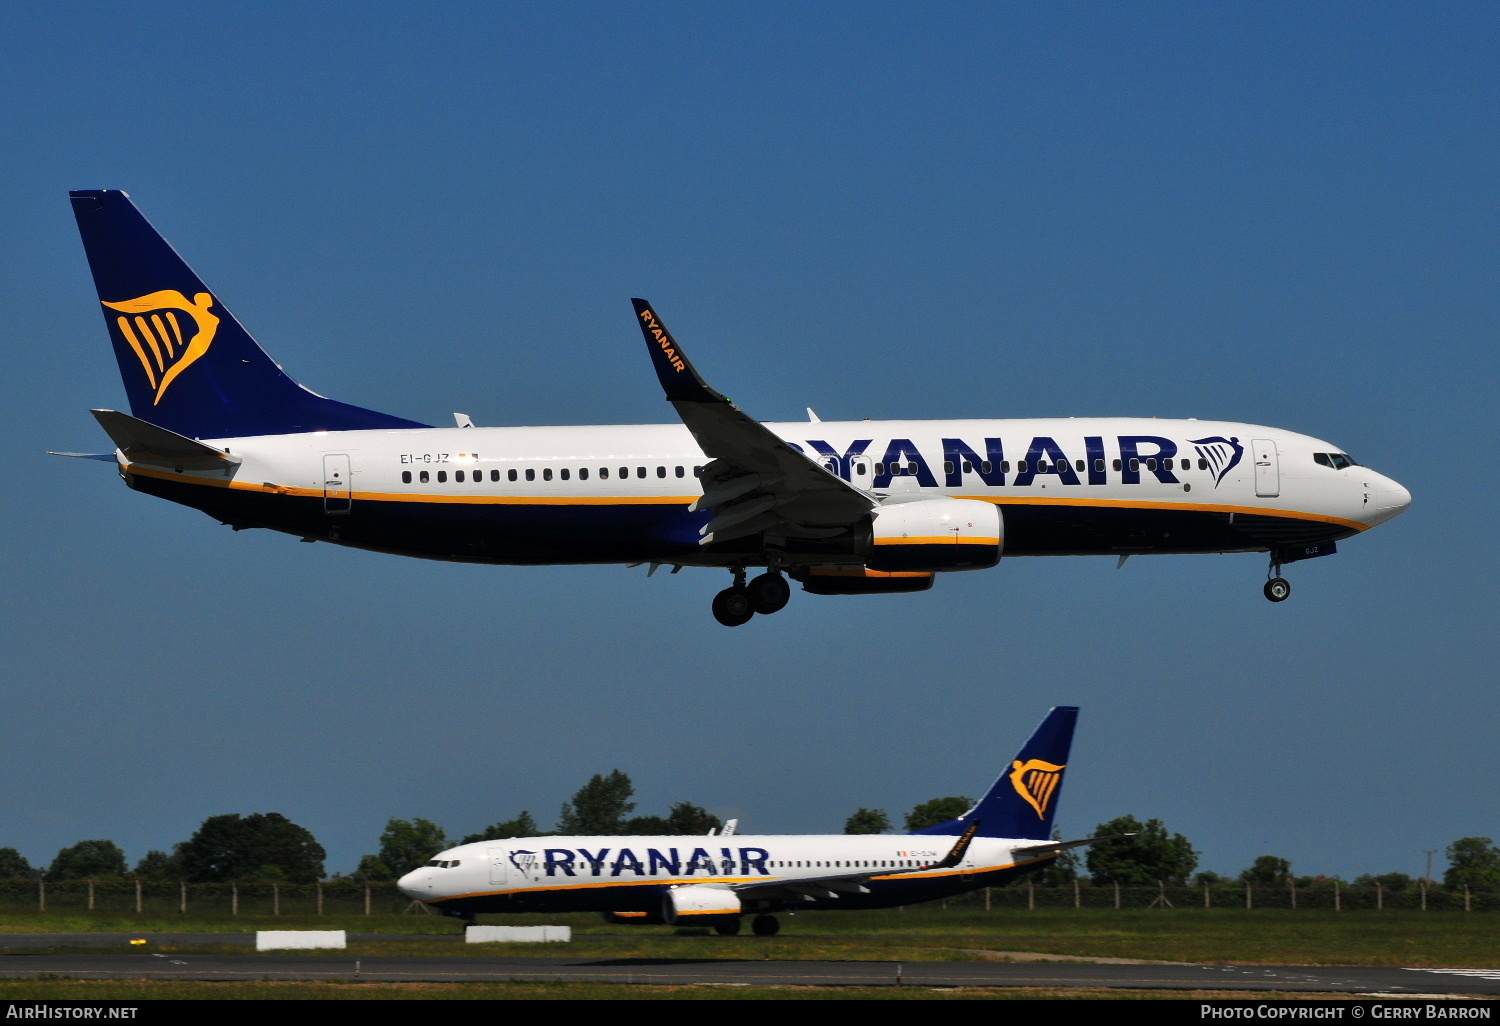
(507,533)
(1035,530)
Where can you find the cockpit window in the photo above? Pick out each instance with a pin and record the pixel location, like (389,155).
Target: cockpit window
(1335,460)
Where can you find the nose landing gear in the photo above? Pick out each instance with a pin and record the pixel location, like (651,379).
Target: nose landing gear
(766,594)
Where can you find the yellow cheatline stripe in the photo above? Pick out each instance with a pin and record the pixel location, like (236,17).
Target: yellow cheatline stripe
(943,539)
(135,344)
(1194,507)
(821,572)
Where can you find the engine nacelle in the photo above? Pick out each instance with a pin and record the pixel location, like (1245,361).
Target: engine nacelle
(936,535)
(699,903)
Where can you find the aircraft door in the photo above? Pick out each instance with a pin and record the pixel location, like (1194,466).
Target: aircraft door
(338,484)
(862,472)
(498,866)
(1267,468)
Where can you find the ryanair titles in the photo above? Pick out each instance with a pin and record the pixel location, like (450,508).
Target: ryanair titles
(1126,461)
(615,862)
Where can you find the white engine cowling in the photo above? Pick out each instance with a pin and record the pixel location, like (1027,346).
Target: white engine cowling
(936,535)
(696,903)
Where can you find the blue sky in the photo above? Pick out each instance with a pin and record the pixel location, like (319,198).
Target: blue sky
(1283,214)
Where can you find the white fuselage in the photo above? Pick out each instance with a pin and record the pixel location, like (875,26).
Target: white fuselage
(578,494)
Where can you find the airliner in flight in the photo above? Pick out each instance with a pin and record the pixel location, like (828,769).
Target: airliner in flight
(843,508)
(715,880)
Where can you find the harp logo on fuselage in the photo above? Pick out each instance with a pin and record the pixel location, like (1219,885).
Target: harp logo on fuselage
(1036,782)
(165,345)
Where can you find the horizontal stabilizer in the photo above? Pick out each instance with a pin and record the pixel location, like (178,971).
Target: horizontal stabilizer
(1036,851)
(102,457)
(142,442)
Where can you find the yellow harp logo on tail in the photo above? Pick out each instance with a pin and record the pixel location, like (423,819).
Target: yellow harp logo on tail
(162,342)
(1036,781)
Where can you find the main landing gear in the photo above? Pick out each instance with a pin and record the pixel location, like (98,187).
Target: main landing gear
(1277,587)
(766,594)
(765,926)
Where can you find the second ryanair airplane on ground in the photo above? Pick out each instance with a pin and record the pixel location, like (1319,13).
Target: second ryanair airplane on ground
(844,508)
(715,880)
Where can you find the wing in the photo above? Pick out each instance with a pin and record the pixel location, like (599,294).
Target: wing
(755,481)
(832,886)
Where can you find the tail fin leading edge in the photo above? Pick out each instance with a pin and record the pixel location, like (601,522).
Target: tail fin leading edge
(1023,801)
(188,365)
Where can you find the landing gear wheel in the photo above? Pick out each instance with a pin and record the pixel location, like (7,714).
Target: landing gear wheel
(728,929)
(1277,589)
(769,593)
(732,607)
(765,926)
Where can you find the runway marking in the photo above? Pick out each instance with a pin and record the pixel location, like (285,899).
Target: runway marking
(1483,974)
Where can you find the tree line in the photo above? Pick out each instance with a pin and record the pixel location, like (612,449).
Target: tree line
(269,847)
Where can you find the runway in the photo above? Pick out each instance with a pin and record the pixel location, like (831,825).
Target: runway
(729,972)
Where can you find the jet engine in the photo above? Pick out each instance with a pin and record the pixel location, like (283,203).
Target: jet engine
(936,535)
(698,903)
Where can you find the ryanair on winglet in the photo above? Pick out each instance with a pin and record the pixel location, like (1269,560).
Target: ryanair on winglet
(843,508)
(716,880)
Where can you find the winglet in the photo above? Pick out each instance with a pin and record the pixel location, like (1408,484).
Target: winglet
(678,378)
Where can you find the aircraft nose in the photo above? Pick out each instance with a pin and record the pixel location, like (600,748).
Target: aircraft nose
(411,884)
(1386,499)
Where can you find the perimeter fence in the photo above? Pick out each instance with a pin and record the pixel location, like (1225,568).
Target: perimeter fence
(160,897)
(345,897)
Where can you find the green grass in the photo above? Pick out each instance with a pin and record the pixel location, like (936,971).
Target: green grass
(922,934)
(189,990)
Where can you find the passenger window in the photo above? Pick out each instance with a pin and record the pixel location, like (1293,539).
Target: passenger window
(1151,464)
(1117,464)
(640,471)
(510,475)
(604,473)
(911,468)
(859,469)
(968,466)
(880,468)
(546,473)
(1202,464)
(442,476)
(624,473)
(984,467)
(1098,466)
(406,477)
(1135,464)
(564,473)
(530,474)
(697,471)
(661,471)
(1078,466)
(458,475)
(1020,466)
(681,472)
(583,473)
(423,476)
(947,466)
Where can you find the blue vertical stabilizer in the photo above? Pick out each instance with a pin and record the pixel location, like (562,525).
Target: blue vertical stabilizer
(1023,801)
(188,365)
